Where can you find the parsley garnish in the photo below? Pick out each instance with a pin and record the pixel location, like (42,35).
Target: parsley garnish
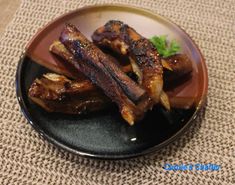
(164,48)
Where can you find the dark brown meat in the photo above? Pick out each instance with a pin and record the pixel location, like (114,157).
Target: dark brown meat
(93,63)
(56,93)
(176,66)
(60,50)
(143,56)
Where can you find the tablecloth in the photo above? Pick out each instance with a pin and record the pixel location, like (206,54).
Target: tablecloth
(26,158)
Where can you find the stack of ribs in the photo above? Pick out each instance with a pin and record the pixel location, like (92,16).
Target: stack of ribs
(104,79)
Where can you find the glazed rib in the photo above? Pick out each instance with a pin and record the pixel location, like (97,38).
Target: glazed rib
(85,50)
(56,93)
(93,63)
(60,50)
(178,65)
(143,56)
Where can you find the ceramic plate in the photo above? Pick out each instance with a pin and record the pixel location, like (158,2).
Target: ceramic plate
(104,134)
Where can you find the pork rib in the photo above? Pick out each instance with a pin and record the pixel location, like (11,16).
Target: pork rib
(94,64)
(178,65)
(56,93)
(143,56)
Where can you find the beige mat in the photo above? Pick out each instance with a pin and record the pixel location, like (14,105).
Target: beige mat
(25,158)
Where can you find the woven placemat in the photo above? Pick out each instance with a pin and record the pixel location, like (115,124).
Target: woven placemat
(25,158)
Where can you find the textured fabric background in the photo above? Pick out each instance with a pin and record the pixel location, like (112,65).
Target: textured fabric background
(7,10)
(25,158)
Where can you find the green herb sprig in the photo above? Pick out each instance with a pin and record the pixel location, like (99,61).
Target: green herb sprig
(165,48)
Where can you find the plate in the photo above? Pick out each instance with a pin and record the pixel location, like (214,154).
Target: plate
(104,134)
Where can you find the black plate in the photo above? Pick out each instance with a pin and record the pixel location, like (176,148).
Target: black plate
(104,134)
